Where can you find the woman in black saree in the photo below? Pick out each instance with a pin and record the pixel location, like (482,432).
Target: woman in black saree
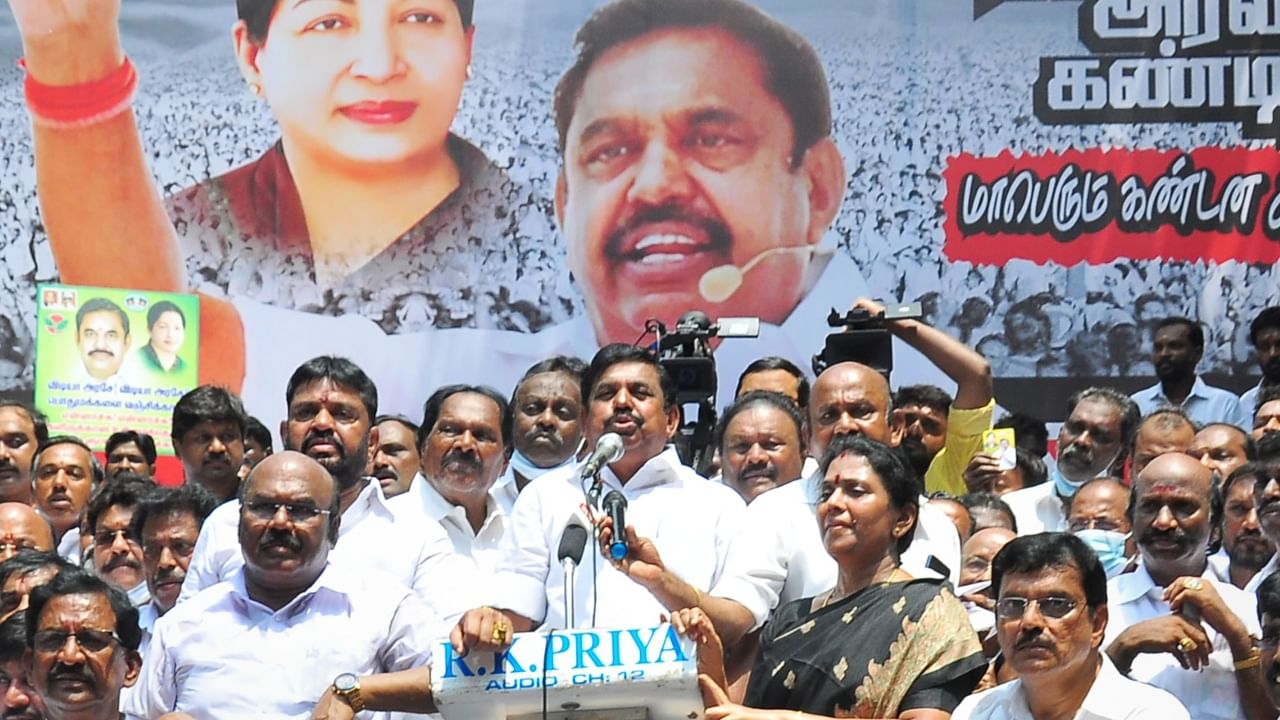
(880,644)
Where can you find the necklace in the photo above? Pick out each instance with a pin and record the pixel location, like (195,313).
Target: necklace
(830,595)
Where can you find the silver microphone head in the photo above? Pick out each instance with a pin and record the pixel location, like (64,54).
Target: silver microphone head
(609,446)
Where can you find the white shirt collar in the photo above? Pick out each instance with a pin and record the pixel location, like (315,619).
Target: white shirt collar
(332,579)
(436,507)
(660,469)
(1134,585)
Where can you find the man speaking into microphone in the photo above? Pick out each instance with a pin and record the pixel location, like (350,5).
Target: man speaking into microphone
(681,517)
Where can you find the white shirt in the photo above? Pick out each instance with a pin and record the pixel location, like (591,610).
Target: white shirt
(481,547)
(147,617)
(1205,404)
(69,547)
(1111,697)
(1037,509)
(1251,587)
(1208,693)
(414,551)
(223,655)
(690,519)
(778,556)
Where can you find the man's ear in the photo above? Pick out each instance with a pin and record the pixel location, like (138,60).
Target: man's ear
(1099,626)
(132,667)
(897,429)
(824,172)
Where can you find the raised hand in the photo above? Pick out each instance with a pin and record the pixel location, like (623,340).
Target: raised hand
(67,42)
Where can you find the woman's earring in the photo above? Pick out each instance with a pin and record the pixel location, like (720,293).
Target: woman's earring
(468,71)
(255,88)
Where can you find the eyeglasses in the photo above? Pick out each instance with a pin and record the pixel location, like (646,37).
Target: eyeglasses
(1056,608)
(153,551)
(91,641)
(263,510)
(1093,524)
(107,538)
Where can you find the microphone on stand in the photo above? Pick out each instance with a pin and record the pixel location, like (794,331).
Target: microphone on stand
(608,450)
(573,541)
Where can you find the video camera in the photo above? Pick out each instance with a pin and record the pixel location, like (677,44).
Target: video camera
(864,338)
(685,353)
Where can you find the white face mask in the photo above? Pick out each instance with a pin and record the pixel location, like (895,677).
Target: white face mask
(982,619)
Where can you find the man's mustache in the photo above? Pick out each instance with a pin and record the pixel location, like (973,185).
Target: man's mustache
(635,419)
(1178,536)
(62,671)
(286,540)
(464,458)
(714,227)
(318,437)
(1076,454)
(102,351)
(175,575)
(537,434)
(385,472)
(119,561)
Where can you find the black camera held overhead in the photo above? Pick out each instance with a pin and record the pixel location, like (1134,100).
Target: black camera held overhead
(685,353)
(863,338)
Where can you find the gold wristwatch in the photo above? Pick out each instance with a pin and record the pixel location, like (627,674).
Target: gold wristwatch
(347,687)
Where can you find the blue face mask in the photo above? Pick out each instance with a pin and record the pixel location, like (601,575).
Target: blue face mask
(1108,545)
(1064,487)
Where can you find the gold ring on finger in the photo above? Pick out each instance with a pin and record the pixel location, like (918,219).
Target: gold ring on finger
(1187,645)
(1194,584)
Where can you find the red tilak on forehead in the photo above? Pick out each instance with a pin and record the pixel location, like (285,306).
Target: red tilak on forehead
(1165,489)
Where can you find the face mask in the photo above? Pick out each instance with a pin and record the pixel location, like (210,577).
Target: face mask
(138,594)
(1108,545)
(1066,488)
(982,619)
(525,467)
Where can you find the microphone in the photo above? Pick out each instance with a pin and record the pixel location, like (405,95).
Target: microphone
(573,541)
(616,506)
(721,282)
(608,449)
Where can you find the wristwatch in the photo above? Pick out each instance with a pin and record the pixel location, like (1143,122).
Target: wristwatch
(347,687)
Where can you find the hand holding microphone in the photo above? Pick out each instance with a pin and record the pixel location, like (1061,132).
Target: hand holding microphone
(636,556)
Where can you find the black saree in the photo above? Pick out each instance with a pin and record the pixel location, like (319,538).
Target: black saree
(888,648)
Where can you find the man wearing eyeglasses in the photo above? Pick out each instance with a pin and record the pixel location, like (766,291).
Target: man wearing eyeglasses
(331,406)
(117,555)
(83,637)
(1173,624)
(290,628)
(167,525)
(1100,517)
(1051,614)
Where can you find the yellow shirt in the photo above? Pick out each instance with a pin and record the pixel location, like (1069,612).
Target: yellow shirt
(964,440)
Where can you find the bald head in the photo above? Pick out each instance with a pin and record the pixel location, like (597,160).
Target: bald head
(1173,468)
(979,551)
(22,528)
(290,465)
(850,398)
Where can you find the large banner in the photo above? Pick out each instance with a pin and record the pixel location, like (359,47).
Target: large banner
(1047,178)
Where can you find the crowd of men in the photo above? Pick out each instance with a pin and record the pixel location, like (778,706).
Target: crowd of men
(318,578)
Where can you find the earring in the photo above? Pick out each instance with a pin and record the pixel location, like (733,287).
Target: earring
(255,88)
(468,71)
